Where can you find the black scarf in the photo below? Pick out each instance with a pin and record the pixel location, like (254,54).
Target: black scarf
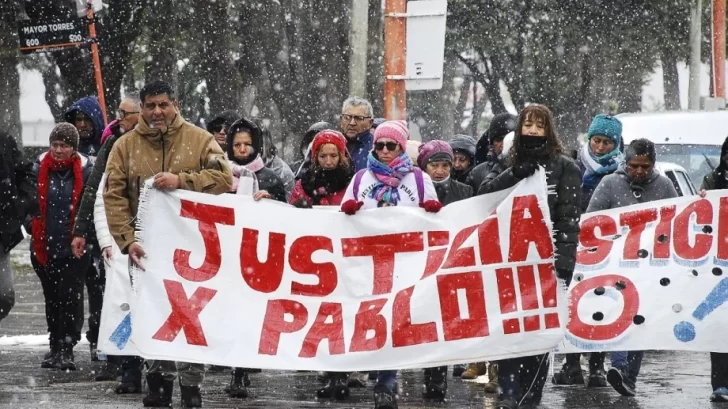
(319,183)
(534,148)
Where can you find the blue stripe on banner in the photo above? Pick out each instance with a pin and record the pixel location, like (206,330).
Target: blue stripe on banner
(122,333)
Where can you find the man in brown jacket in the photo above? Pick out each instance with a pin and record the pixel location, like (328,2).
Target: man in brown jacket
(178,155)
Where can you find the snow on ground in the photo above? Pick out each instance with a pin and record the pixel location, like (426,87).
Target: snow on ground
(29,340)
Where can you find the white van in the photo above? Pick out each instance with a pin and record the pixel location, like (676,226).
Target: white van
(679,178)
(691,139)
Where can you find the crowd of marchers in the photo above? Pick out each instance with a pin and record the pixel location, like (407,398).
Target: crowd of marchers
(79,200)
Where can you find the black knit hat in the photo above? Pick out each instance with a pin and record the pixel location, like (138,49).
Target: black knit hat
(501,125)
(65,132)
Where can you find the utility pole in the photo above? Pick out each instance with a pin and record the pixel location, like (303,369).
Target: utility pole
(695,64)
(395,62)
(358,36)
(95,57)
(718,33)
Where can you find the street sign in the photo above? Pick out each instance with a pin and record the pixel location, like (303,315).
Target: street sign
(51,35)
(425,44)
(81,6)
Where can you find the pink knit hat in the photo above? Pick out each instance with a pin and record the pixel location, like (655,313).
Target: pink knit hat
(394,130)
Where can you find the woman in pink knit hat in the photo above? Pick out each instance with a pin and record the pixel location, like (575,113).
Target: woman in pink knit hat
(390,179)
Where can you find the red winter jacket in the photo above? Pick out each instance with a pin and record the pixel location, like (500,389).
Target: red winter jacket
(330,200)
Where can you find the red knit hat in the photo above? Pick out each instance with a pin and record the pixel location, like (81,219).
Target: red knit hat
(329,136)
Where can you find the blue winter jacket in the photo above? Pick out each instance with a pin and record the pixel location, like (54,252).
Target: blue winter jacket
(91,107)
(359,149)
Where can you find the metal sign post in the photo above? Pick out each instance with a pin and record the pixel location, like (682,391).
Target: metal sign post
(95,56)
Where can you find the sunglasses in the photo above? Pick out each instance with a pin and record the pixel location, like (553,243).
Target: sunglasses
(218,128)
(391,146)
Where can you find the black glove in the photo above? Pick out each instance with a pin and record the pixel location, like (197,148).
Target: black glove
(522,170)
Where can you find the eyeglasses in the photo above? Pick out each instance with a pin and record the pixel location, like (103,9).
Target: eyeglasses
(357,118)
(391,146)
(121,114)
(219,129)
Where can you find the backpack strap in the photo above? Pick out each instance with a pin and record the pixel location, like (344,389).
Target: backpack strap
(357,182)
(420,184)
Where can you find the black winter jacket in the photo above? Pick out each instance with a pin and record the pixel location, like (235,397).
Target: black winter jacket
(84,225)
(451,191)
(58,214)
(486,171)
(564,181)
(18,192)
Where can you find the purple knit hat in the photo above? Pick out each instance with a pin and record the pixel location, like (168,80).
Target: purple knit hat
(395,130)
(434,151)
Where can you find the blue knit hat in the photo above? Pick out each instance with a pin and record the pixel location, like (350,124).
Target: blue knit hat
(606,125)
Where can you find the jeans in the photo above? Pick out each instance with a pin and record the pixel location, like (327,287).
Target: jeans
(189,374)
(629,362)
(387,379)
(7,288)
(523,377)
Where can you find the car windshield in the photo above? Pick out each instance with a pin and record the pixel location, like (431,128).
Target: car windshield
(698,160)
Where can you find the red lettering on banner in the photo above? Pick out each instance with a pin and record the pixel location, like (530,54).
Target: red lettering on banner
(703,242)
(207,216)
(274,323)
(454,326)
(435,257)
(529,296)
(609,331)
(663,233)
(636,221)
(404,332)
(489,242)
(723,229)
(333,332)
(369,319)
(507,299)
(382,249)
(299,258)
(264,277)
(596,249)
(526,230)
(461,257)
(185,314)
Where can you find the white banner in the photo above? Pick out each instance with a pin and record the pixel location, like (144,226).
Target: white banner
(234,282)
(115,328)
(652,276)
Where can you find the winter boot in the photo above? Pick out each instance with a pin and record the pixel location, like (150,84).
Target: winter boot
(160,391)
(719,395)
(131,379)
(570,373)
(67,362)
(238,384)
(507,403)
(617,377)
(384,398)
(336,388)
(191,396)
(52,359)
(474,370)
(109,372)
(357,380)
(492,385)
(597,375)
(457,370)
(436,383)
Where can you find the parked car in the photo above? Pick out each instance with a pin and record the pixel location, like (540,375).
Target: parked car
(691,139)
(679,177)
